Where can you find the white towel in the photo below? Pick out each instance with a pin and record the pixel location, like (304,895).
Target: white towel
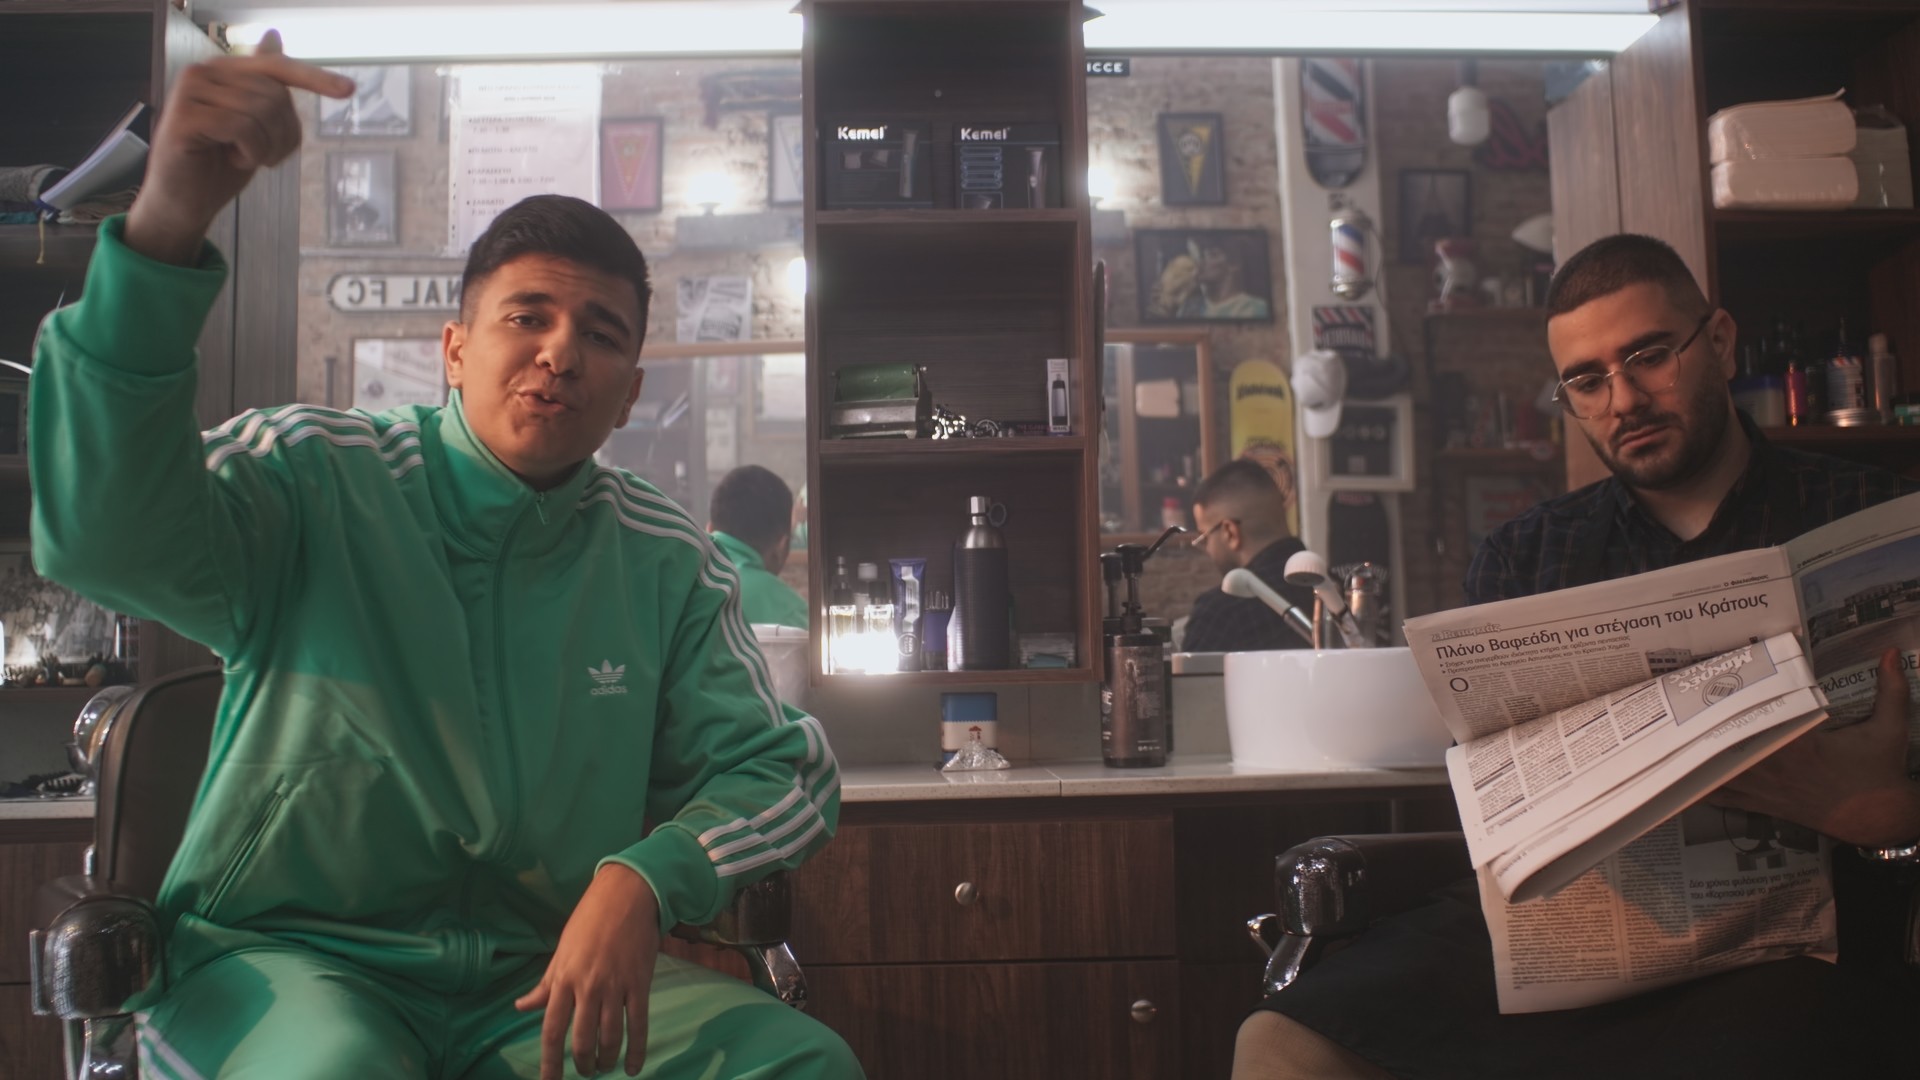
(1765,130)
(1825,183)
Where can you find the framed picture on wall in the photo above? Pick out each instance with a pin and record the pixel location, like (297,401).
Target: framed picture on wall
(630,163)
(390,372)
(1372,449)
(362,202)
(1203,275)
(786,159)
(381,104)
(1434,204)
(1193,170)
(43,620)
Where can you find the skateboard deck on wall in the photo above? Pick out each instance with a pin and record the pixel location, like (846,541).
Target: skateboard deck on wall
(1333,119)
(1260,426)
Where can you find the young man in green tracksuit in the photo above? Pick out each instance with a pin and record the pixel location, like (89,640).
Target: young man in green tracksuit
(751,521)
(464,664)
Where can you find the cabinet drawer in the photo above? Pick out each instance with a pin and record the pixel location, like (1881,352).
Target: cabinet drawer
(1003,891)
(24,867)
(1008,1021)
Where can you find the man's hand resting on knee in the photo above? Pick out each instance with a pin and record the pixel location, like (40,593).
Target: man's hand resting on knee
(600,977)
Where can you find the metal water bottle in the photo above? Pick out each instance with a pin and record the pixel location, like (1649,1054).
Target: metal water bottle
(978,636)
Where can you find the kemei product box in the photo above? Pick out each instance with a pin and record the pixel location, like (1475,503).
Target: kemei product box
(1002,166)
(878,165)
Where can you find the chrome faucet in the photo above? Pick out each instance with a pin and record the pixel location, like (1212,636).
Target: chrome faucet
(1367,602)
(1332,608)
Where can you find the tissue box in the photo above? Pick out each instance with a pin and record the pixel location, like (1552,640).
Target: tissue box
(1767,130)
(1827,183)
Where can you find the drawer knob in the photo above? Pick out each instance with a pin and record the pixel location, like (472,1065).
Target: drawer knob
(1143,1011)
(966,893)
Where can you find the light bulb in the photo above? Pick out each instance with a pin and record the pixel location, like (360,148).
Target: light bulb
(709,190)
(1099,183)
(797,275)
(1468,122)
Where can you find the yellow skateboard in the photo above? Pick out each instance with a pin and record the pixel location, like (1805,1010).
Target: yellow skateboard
(1260,426)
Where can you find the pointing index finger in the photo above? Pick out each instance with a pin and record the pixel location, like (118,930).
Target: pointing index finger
(269,60)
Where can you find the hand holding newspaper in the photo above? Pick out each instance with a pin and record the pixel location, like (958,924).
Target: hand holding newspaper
(1591,721)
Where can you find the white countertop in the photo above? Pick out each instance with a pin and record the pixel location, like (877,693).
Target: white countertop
(1198,775)
(44,809)
(915,783)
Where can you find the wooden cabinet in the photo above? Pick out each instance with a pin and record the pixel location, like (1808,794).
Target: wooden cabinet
(1811,268)
(31,852)
(981,299)
(1053,937)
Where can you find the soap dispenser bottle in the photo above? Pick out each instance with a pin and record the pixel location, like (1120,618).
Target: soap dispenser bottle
(1135,697)
(979,635)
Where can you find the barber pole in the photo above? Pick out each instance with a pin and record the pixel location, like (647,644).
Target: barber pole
(1350,229)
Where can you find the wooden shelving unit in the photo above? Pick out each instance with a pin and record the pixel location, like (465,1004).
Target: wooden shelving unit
(981,299)
(1810,268)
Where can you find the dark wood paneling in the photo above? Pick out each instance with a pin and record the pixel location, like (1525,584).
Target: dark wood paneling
(24,866)
(1044,890)
(30,1046)
(1006,1021)
(1214,999)
(1585,173)
(1657,126)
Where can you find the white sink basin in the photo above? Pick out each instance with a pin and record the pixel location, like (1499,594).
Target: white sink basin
(1301,709)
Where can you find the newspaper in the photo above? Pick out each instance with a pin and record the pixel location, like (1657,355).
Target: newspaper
(1592,721)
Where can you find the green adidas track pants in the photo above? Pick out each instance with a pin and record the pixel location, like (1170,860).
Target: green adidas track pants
(292,1013)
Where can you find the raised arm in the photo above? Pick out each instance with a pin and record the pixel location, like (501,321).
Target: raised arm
(127,510)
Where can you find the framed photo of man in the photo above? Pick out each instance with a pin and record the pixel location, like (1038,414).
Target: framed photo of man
(381,103)
(1203,275)
(1193,170)
(362,201)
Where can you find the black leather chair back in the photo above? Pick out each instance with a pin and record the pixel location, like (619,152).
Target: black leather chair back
(149,768)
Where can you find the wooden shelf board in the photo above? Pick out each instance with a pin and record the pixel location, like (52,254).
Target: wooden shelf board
(919,451)
(1763,226)
(76,7)
(67,247)
(856,219)
(1509,456)
(1012,676)
(1502,314)
(1827,434)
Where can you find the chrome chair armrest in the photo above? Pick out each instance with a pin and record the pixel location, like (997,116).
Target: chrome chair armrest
(94,951)
(1336,886)
(756,925)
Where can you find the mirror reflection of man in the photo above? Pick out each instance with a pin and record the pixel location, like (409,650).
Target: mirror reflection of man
(1643,360)
(1240,520)
(751,519)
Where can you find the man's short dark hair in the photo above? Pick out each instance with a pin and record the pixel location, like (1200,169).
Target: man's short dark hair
(1612,263)
(563,226)
(1239,481)
(752,504)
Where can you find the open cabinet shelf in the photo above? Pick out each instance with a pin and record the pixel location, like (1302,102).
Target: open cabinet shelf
(980,300)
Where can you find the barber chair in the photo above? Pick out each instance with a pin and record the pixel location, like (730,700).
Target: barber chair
(146,748)
(1334,887)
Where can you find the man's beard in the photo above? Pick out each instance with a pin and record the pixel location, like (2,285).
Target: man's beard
(1698,441)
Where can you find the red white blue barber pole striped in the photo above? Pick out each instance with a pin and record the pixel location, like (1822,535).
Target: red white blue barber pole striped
(1332,114)
(1349,235)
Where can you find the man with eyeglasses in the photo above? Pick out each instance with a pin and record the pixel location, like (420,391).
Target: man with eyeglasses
(1240,519)
(1643,360)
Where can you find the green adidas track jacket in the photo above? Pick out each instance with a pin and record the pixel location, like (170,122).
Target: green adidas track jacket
(449,699)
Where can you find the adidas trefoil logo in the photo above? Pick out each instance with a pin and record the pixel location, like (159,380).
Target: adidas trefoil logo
(608,679)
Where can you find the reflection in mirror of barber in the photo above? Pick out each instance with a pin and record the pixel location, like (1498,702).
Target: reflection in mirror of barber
(394,292)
